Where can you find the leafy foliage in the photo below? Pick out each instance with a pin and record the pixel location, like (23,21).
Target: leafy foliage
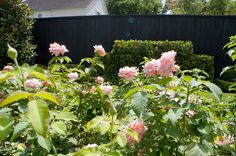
(134,6)
(15,29)
(177,115)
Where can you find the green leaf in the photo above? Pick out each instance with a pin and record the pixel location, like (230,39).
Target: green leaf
(104,127)
(150,87)
(121,139)
(5,127)
(44,142)
(68,60)
(19,128)
(132,133)
(232,87)
(131,92)
(46,95)
(5,76)
(174,131)
(217,92)
(39,75)
(39,116)
(139,102)
(67,116)
(205,130)
(59,127)
(195,149)
(14,97)
(194,83)
(174,115)
(94,122)
(225,69)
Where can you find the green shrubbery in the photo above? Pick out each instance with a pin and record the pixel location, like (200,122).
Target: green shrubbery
(15,29)
(132,52)
(227,79)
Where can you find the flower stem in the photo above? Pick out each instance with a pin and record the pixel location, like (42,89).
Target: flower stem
(53,147)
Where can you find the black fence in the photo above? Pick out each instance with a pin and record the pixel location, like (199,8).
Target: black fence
(208,33)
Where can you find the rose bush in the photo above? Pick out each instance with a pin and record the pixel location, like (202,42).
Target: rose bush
(73,111)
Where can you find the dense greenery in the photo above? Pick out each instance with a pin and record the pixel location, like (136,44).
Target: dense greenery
(132,52)
(15,29)
(134,6)
(193,7)
(70,111)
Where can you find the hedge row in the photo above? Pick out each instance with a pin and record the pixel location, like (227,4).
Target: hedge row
(132,53)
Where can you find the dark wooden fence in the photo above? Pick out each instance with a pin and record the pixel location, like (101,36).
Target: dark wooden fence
(208,33)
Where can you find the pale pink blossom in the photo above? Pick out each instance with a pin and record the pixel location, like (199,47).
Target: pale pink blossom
(99,80)
(190,113)
(139,128)
(33,83)
(57,49)
(91,145)
(167,62)
(106,89)
(128,73)
(165,66)
(151,68)
(73,76)
(100,50)
(8,68)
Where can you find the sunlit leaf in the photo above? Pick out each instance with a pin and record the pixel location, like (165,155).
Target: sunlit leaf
(174,114)
(139,102)
(39,116)
(6,124)
(59,127)
(46,95)
(217,92)
(94,122)
(132,133)
(19,128)
(121,139)
(67,116)
(131,92)
(195,149)
(14,97)
(39,75)
(44,142)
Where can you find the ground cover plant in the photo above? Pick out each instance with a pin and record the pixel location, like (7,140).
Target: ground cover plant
(156,110)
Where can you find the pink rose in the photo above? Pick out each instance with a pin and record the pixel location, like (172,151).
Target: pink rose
(128,73)
(100,50)
(167,61)
(73,76)
(106,89)
(151,68)
(33,83)
(99,80)
(57,49)
(8,68)
(165,66)
(137,126)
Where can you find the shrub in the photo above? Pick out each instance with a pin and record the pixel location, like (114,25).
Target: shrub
(15,29)
(229,75)
(203,62)
(224,85)
(132,52)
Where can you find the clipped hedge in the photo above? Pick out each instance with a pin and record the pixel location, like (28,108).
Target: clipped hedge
(203,62)
(132,52)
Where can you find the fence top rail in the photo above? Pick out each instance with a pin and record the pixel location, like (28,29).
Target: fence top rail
(141,16)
